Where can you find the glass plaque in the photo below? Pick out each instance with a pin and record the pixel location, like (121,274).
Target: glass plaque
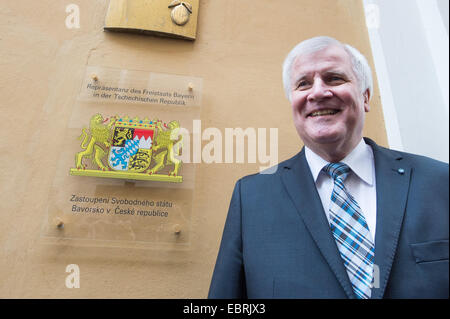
(125,175)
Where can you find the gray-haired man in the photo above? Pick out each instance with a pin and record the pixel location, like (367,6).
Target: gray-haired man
(344,218)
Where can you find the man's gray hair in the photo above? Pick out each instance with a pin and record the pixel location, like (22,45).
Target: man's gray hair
(359,63)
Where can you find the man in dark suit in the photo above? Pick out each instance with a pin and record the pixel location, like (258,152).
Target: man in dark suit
(344,218)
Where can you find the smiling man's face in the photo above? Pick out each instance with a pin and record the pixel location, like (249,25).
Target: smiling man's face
(327,104)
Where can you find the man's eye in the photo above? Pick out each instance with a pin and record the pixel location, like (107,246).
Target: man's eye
(336,79)
(302,84)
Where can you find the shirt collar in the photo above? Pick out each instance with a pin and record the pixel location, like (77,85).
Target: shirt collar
(360,161)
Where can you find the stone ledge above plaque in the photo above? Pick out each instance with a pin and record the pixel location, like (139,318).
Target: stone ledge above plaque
(177,19)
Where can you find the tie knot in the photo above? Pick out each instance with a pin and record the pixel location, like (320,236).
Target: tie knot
(337,170)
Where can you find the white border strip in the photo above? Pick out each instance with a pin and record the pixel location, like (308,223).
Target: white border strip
(387,99)
(437,40)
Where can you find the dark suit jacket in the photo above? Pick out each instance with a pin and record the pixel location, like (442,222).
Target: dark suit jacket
(277,241)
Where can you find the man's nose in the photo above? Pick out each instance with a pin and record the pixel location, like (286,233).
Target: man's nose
(319,91)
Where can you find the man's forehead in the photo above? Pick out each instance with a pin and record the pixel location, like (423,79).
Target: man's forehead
(332,58)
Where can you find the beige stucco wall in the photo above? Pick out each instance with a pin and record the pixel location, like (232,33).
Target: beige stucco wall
(238,52)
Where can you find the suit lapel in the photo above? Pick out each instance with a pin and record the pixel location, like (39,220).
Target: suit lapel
(301,188)
(392,181)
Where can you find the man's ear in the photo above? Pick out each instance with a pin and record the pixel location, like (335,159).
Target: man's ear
(366,96)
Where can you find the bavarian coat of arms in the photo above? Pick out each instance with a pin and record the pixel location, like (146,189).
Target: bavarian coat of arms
(128,148)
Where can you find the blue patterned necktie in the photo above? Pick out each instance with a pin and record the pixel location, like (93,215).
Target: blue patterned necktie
(351,232)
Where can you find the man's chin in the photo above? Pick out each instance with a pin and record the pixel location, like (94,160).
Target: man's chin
(325,140)
(325,137)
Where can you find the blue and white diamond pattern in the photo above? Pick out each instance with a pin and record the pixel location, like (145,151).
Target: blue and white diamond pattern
(120,156)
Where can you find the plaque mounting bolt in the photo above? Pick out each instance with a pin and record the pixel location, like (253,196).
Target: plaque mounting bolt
(190,86)
(94,77)
(177,229)
(59,224)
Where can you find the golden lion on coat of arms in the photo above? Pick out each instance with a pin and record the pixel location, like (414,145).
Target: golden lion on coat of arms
(100,134)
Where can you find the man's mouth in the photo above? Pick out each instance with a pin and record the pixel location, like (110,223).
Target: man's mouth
(323,112)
